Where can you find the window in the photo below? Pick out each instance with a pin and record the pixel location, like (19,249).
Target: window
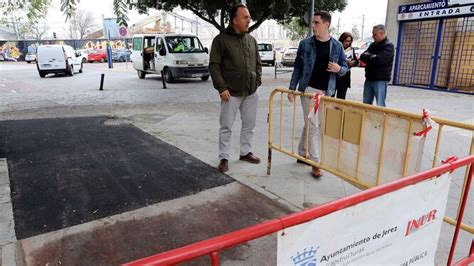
(265,47)
(137,44)
(160,45)
(184,44)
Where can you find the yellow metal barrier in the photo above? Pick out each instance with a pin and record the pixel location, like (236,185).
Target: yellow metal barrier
(354,134)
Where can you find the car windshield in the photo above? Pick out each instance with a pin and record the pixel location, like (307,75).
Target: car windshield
(184,44)
(262,47)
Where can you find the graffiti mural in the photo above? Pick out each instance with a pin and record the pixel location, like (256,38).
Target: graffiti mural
(16,50)
(9,51)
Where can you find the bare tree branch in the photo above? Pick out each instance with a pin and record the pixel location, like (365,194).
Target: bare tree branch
(82,23)
(201,16)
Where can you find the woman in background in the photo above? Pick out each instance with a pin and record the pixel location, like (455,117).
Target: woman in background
(344,82)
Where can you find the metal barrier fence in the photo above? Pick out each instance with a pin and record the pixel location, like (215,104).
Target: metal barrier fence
(368,128)
(213,246)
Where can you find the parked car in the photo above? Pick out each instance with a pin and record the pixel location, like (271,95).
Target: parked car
(82,54)
(30,57)
(289,56)
(121,55)
(267,53)
(97,56)
(57,59)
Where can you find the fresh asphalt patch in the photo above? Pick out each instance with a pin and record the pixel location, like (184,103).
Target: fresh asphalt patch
(69,171)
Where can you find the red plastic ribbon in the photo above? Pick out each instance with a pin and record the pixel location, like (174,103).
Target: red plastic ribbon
(428,124)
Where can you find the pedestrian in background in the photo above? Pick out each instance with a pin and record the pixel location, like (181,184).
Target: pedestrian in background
(319,60)
(236,72)
(344,82)
(378,71)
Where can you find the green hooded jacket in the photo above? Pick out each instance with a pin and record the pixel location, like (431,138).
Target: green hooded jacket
(235,63)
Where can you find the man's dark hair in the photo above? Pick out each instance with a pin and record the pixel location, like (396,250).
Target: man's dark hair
(325,16)
(233,11)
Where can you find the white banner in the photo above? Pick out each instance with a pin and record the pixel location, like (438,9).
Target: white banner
(459,2)
(438,13)
(399,228)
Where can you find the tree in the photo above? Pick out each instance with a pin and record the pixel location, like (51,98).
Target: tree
(214,12)
(355,33)
(21,15)
(81,24)
(37,30)
(32,9)
(296,28)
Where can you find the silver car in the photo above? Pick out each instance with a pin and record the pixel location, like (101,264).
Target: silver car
(30,57)
(289,56)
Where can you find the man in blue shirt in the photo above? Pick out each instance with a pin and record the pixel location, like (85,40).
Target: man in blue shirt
(319,60)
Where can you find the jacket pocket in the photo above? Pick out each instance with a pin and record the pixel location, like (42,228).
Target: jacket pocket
(234,81)
(253,81)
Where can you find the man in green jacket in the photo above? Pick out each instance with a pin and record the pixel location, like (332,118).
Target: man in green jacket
(236,72)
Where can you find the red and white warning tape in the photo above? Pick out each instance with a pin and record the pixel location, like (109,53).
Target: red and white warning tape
(428,124)
(316,97)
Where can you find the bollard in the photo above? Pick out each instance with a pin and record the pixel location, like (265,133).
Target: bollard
(163,79)
(276,65)
(101,82)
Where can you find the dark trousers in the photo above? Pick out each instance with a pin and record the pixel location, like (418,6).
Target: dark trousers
(340,92)
(342,83)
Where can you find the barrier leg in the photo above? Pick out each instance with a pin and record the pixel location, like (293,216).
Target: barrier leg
(460,216)
(214,258)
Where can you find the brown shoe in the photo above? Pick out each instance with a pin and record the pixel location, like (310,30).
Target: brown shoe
(316,172)
(223,166)
(250,158)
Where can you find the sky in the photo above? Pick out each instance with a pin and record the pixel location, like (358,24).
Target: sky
(374,12)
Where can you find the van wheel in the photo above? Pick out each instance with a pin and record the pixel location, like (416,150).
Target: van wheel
(28,62)
(204,78)
(141,74)
(168,76)
(80,70)
(42,74)
(71,71)
(273,63)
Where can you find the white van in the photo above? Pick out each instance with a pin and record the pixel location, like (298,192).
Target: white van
(57,59)
(267,53)
(177,55)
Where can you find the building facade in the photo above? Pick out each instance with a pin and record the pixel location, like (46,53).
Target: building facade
(434,43)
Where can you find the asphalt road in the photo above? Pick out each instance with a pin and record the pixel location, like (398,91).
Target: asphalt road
(21,87)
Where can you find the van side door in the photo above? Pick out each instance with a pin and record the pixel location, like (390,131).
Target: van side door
(160,59)
(137,53)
